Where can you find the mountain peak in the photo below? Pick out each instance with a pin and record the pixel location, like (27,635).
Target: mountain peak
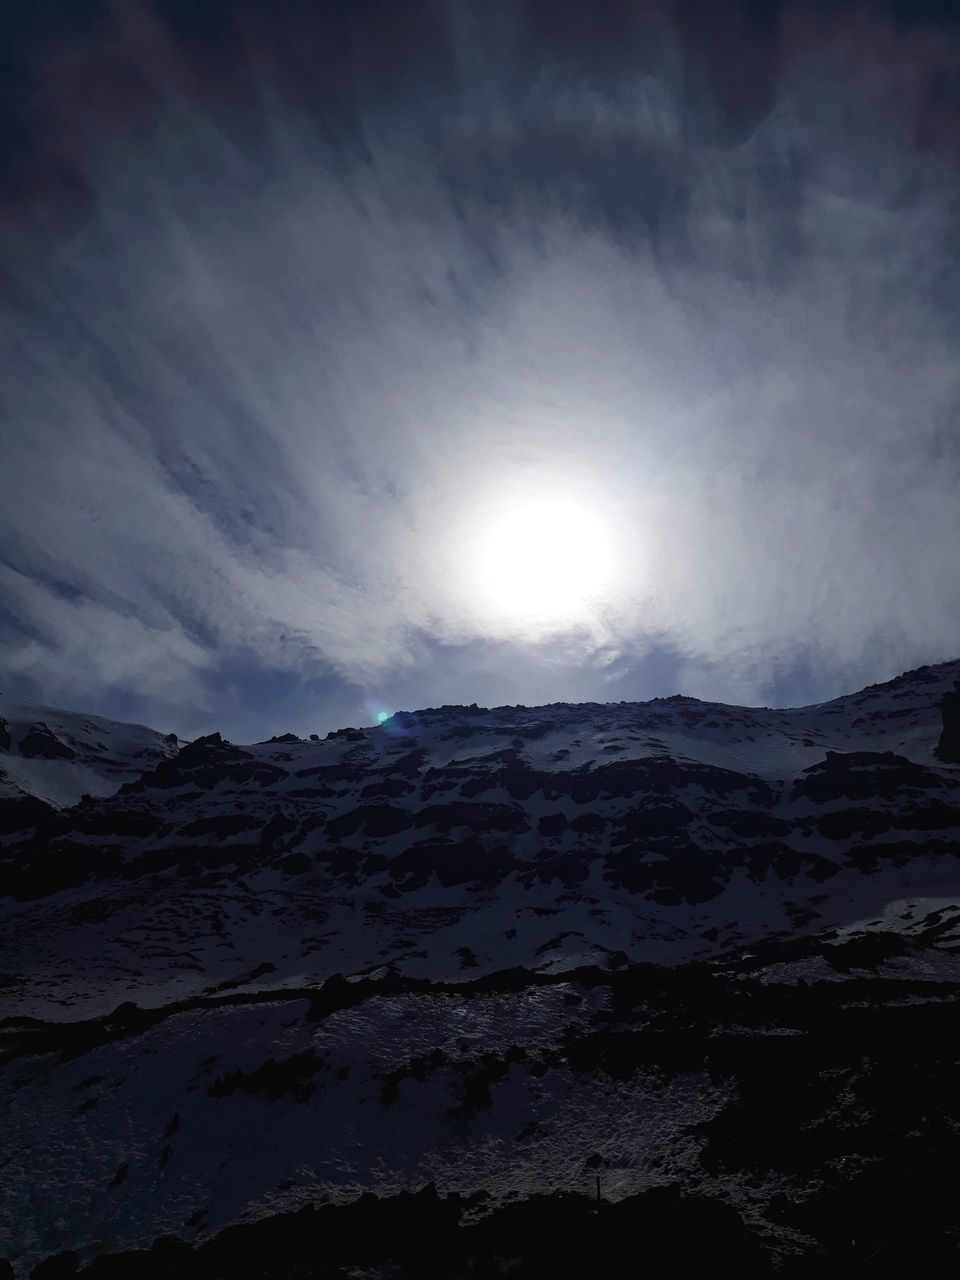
(564,935)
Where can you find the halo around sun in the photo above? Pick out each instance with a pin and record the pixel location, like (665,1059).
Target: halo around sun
(541,562)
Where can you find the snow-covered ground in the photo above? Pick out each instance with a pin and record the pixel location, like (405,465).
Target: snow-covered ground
(218,887)
(58,756)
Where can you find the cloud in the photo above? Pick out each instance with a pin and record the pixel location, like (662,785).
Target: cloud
(258,391)
(79,643)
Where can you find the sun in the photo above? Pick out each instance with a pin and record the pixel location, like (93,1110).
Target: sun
(542,561)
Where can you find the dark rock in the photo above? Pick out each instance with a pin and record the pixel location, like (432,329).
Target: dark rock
(456,862)
(221,825)
(843,823)
(866,951)
(948,746)
(291,1077)
(375,819)
(478,817)
(863,775)
(58,1268)
(112,819)
(408,764)
(275,831)
(660,817)
(334,773)
(40,742)
(204,763)
(868,857)
(172,1247)
(684,874)
(296,864)
(570,868)
(588,824)
(552,824)
(777,859)
(653,776)
(139,1264)
(20,813)
(748,824)
(388,788)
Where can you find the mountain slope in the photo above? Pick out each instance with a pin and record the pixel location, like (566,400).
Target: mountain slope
(579,941)
(58,756)
(462,840)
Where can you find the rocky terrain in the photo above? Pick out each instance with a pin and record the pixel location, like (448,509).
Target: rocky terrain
(49,759)
(405,1001)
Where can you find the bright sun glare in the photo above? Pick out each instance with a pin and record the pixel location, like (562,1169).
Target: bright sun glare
(543,561)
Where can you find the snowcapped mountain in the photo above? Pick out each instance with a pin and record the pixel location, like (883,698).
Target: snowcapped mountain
(56,757)
(677,946)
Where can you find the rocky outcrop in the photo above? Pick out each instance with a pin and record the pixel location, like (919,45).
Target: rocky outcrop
(827,1160)
(20,812)
(205,763)
(948,747)
(865,775)
(43,743)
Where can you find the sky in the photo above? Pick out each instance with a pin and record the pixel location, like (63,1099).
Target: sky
(366,356)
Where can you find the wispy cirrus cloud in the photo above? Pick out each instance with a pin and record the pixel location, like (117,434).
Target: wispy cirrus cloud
(261,391)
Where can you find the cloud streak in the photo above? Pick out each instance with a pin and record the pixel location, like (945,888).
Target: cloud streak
(258,392)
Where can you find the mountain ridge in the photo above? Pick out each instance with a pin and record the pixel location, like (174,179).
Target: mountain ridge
(501,951)
(72,730)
